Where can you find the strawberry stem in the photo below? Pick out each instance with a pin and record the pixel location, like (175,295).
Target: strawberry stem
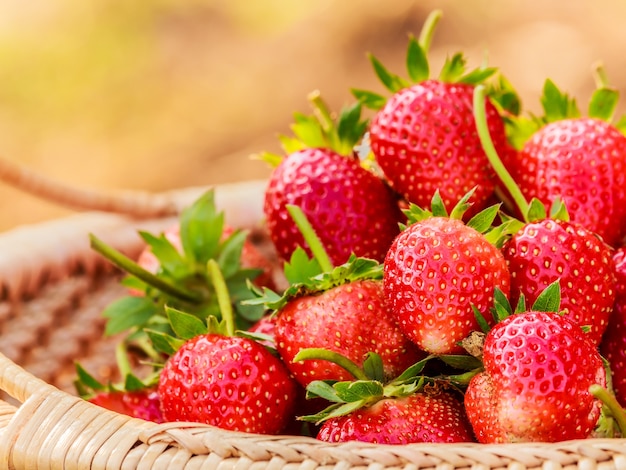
(308,232)
(129,266)
(610,402)
(334,357)
(600,76)
(223,296)
(428,29)
(121,357)
(480,116)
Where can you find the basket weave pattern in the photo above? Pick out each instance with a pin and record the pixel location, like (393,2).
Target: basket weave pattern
(54,288)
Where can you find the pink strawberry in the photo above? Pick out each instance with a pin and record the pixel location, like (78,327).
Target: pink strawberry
(578,159)
(437,271)
(538,367)
(548,250)
(230,382)
(424,137)
(350,208)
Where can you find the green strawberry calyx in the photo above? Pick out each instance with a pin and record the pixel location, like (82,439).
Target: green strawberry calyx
(483,222)
(339,132)
(367,388)
(418,70)
(558,105)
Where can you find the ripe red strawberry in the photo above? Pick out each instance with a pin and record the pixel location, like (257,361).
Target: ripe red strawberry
(424,137)
(579,159)
(582,161)
(548,250)
(350,208)
(144,404)
(425,140)
(425,416)
(613,345)
(436,272)
(538,367)
(352,319)
(230,382)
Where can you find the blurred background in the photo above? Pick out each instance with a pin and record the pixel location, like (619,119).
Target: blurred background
(163,94)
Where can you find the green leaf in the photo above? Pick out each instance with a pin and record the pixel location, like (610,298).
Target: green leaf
(350,128)
(86,379)
(558,210)
(603,104)
(201,228)
(461,361)
(322,389)
(391,81)
(413,371)
(170,259)
(556,104)
(437,206)
(229,257)
(550,299)
(621,124)
(290,145)
(417,61)
(164,343)
(309,131)
(536,210)
(483,221)
(521,304)
(478,75)
(483,324)
(502,306)
(453,68)
(358,390)
(127,313)
(369,99)
(300,268)
(132,383)
(373,367)
(185,325)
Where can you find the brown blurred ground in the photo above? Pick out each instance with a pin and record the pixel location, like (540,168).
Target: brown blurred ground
(164,94)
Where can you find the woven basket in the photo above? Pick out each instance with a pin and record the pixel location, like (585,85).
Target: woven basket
(54,288)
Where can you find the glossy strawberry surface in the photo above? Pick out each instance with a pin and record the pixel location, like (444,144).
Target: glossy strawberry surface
(582,161)
(434,272)
(350,209)
(538,368)
(230,382)
(549,250)
(425,139)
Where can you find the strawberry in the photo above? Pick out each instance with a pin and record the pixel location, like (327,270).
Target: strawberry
(579,159)
(404,409)
(351,209)
(547,250)
(613,345)
(230,382)
(438,271)
(538,368)
(143,404)
(424,137)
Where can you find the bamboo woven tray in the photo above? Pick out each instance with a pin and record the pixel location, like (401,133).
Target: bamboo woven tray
(53,289)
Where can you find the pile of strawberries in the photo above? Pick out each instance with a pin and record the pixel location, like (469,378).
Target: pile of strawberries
(451,269)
